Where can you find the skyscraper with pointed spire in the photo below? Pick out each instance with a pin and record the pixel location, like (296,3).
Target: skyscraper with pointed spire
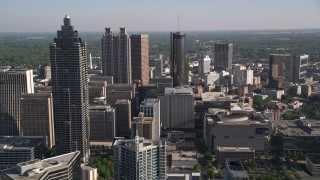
(68,55)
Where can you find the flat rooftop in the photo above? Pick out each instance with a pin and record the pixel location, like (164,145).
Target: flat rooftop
(13,143)
(236,169)
(235,149)
(237,119)
(215,96)
(306,127)
(35,169)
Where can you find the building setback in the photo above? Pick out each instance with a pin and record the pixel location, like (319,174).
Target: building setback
(116,56)
(68,55)
(13,83)
(179,67)
(37,116)
(140,57)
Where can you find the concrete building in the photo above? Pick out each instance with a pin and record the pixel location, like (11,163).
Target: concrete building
(183,160)
(140,57)
(88,173)
(13,82)
(116,92)
(102,123)
(162,83)
(300,68)
(274,94)
(66,166)
(151,108)
(116,56)
(223,54)
(212,78)
(97,88)
(244,154)
(179,67)
(313,164)
(139,158)
(158,67)
(123,118)
(16,149)
(204,65)
(237,129)
(306,90)
(242,76)
(177,108)
(37,116)
(68,55)
(44,71)
(184,176)
(233,170)
(143,127)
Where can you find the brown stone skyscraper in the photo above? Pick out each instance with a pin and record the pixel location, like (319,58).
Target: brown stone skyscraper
(68,55)
(140,57)
(116,56)
(223,54)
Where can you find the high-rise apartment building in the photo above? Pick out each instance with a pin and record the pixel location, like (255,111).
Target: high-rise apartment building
(223,54)
(68,55)
(13,83)
(37,116)
(204,65)
(139,158)
(179,67)
(123,118)
(140,58)
(151,108)
(102,123)
(116,56)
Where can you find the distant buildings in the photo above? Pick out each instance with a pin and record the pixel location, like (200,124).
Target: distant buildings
(223,54)
(16,149)
(143,159)
(204,65)
(179,67)
(158,67)
(37,116)
(116,56)
(242,76)
(285,68)
(66,166)
(13,82)
(44,71)
(68,55)
(140,58)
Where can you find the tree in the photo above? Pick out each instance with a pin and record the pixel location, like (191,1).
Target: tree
(197,167)
(210,173)
(107,173)
(208,156)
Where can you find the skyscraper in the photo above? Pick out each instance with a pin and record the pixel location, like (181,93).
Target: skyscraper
(140,57)
(179,67)
(116,56)
(68,55)
(139,158)
(37,116)
(281,68)
(123,118)
(13,83)
(204,65)
(223,54)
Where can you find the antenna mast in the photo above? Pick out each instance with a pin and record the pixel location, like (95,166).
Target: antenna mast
(178,23)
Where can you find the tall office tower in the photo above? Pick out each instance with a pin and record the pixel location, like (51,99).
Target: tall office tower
(123,118)
(37,116)
(281,70)
(204,65)
(158,67)
(179,67)
(44,71)
(177,109)
(68,55)
(12,84)
(139,159)
(223,54)
(143,127)
(140,58)
(151,108)
(242,75)
(102,123)
(116,56)
(300,68)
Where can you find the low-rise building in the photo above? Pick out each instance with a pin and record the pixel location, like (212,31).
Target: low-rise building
(245,154)
(313,164)
(66,166)
(88,173)
(234,171)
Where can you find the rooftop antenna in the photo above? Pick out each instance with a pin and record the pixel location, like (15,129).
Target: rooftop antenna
(178,23)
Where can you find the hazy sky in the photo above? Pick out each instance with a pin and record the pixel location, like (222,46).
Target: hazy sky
(154,15)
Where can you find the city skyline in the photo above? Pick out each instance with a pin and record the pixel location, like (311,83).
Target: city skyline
(40,16)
